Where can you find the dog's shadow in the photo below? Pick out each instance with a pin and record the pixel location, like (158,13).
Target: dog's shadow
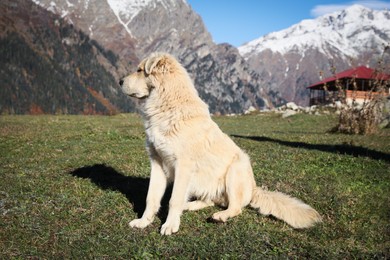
(134,188)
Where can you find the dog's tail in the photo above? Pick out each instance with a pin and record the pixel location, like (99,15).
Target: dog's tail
(291,210)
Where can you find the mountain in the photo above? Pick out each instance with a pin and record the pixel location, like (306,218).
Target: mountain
(49,66)
(291,59)
(67,56)
(132,29)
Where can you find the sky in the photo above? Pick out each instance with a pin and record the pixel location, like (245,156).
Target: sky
(240,21)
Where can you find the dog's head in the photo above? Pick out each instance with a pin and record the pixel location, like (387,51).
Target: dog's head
(140,84)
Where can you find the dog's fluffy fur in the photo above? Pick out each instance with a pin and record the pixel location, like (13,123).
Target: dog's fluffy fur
(185,146)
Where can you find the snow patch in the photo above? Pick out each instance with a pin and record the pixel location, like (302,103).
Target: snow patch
(69,4)
(126,10)
(86,4)
(286,72)
(52,7)
(64,13)
(90,30)
(37,2)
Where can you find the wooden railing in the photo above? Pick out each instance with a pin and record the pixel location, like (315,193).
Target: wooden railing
(359,96)
(355,94)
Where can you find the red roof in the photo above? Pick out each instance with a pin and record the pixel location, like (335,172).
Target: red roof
(361,72)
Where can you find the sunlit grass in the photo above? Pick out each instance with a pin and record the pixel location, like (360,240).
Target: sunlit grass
(70,185)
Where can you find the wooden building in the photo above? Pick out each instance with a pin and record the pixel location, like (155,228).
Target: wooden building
(359,84)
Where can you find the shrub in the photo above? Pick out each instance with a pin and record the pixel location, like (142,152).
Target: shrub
(363,117)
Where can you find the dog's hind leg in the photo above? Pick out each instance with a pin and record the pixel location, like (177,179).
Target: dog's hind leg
(238,188)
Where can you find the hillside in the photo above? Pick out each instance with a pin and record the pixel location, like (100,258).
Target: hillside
(222,77)
(48,66)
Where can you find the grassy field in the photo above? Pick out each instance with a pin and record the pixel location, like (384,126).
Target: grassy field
(70,185)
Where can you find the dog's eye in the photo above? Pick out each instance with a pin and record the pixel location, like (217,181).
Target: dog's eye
(139,70)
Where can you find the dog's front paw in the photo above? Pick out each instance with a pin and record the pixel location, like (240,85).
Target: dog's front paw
(170,228)
(139,223)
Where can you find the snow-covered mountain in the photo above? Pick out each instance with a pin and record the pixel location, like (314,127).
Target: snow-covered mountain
(135,28)
(349,32)
(291,59)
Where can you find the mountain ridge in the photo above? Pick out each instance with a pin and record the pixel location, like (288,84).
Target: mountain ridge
(292,59)
(49,67)
(329,28)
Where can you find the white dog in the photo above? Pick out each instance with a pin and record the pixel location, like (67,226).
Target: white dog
(185,146)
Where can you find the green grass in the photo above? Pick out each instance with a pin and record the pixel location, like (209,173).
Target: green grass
(70,185)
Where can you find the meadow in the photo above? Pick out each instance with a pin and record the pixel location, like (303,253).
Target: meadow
(70,185)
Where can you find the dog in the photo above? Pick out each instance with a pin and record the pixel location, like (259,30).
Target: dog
(187,147)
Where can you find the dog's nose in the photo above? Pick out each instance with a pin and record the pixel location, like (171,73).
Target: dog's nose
(121,82)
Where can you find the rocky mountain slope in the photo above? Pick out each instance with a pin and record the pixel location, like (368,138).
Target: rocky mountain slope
(135,28)
(291,59)
(48,66)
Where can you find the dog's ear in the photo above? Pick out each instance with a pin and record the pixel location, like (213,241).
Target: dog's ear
(151,63)
(159,63)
